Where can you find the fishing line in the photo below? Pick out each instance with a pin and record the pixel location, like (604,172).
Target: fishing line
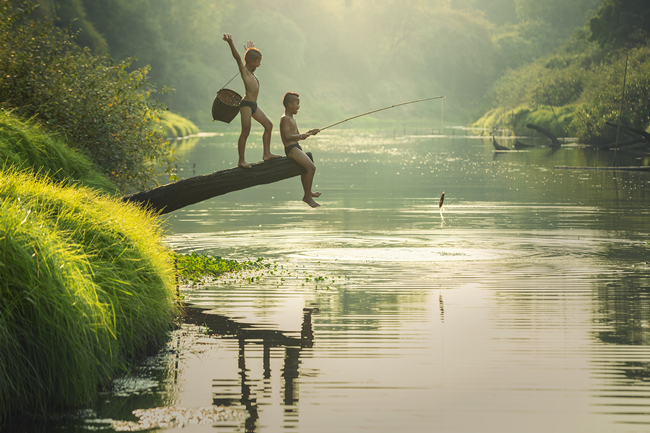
(380,109)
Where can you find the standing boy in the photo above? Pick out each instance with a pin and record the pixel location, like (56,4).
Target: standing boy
(290,137)
(248,106)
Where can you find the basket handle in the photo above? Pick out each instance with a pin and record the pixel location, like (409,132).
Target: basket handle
(229,81)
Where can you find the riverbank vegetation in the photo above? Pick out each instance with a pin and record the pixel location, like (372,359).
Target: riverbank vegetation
(87,285)
(98,104)
(577,89)
(175,126)
(196,268)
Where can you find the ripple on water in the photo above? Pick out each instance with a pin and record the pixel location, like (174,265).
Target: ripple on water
(398,254)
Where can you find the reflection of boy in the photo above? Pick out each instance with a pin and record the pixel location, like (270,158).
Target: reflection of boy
(248,106)
(290,137)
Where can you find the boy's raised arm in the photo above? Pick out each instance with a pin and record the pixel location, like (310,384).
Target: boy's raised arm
(228,38)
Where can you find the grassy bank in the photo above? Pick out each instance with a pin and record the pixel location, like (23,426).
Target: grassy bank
(177,126)
(86,283)
(561,121)
(24,144)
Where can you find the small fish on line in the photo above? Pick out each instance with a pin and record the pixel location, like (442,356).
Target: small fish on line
(442,201)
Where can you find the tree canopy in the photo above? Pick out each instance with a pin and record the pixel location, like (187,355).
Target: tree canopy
(343,56)
(621,23)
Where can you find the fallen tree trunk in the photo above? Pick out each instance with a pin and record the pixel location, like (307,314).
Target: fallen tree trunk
(173,196)
(554,141)
(631,131)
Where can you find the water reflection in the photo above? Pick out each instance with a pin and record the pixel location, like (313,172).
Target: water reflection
(245,391)
(525,309)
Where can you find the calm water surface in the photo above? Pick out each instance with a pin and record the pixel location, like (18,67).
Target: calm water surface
(522,308)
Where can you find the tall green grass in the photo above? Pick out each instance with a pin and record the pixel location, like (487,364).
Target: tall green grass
(85,285)
(24,144)
(177,126)
(561,121)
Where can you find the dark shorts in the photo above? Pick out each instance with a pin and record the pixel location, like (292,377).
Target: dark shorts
(288,148)
(251,104)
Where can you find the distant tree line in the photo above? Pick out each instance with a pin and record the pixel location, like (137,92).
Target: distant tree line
(513,57)
(343,56)
(582,80)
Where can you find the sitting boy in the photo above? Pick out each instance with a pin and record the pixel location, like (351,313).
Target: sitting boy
(290,137)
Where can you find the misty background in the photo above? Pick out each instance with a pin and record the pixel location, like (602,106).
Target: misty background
(344,57)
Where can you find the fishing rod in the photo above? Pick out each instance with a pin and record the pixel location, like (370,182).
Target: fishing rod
(380,109)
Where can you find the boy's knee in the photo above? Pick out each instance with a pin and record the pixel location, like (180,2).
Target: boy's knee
(245,131)
(268,127)
(311,169)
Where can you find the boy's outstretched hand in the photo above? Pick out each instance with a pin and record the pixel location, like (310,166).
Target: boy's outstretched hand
(227,37)
(248,44)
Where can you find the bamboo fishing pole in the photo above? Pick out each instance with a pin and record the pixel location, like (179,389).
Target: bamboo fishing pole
(380,109)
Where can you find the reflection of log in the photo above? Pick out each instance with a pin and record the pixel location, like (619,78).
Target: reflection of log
(226,327)
(173,196)
(520,145)
(497,146)
(554,140)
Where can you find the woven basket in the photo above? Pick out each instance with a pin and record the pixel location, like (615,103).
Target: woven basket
(225,105)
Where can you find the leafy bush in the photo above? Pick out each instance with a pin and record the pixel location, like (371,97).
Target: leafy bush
(85,285)
(23,144)
(95,102)
(560,121)
(606,90)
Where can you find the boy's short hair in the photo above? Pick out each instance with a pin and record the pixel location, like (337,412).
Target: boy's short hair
(289,97)
(252,54)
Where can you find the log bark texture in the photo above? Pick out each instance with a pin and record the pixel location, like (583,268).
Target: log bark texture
(173,196)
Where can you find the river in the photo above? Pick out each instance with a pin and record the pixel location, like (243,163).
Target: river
(522,307)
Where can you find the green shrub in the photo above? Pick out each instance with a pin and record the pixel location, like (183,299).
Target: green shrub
(85,285)
(24,144)
(606,91)
(94,102)
(564,122)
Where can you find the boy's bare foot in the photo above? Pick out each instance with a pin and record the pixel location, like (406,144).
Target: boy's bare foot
(268,156)
(315,194)
(243,164)
(310,201)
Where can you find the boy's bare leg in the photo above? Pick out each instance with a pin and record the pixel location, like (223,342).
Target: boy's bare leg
(245,113)
(308,178)
(266,138)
